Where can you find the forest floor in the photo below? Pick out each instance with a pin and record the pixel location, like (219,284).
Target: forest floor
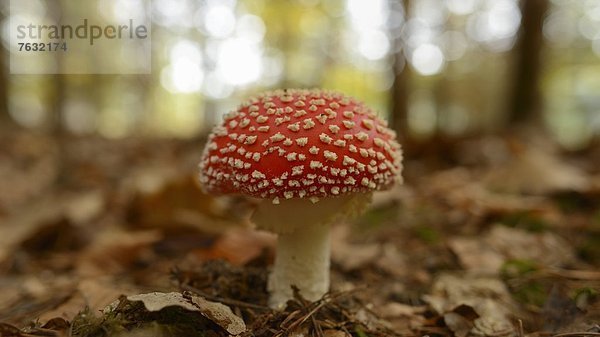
(489,236)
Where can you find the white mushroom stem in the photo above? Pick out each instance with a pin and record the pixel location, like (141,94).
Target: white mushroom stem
(302,257)
(303,261)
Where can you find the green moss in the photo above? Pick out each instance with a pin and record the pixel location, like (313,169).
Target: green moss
(587,293)
(525,220)
(377,217)
(525,291)
(427,234)
(359,332)
(533,293)
(87,324)
(517,268)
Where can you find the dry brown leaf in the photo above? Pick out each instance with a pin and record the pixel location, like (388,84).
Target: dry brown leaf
(113,251)
(218,313)
(395,309)
(28,166)
(7,330)
(460,325)
(20,226)
(239,246)
(475,255)
(179,201)
(24,298)
(462,189)
(157,301)
(536,171)
(488,297)
(73,208)
(393,261)
(547,248)
(488,253)
(351,256)
(94,293)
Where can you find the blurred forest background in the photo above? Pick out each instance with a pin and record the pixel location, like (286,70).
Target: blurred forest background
(434,67)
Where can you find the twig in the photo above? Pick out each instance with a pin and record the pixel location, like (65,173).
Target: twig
(587,275)
(328,298)
(317,327)
(302,319)
(290,318)
(568,334)
(521,332)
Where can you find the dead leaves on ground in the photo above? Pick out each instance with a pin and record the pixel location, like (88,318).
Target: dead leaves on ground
(488,252)
(214,311)
(464,251)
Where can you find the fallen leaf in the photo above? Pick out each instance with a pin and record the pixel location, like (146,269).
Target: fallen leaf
(93,293)
(157,301)
(24,298)
(462,189)
(395,309)
(351,256)
(487,296)
(547,248)
(461,320)
(475,255)
(218,313)
(486,254)
(392,260)
(7,330)
(47,211)
(533,170)
(28,167)
(239,246)
(458,324)
(114,250)
(179,201)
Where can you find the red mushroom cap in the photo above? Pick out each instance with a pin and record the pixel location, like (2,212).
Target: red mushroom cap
(300,143)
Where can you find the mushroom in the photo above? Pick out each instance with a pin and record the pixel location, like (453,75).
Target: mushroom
(314,157)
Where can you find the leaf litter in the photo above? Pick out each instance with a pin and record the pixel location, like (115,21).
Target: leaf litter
(454,252)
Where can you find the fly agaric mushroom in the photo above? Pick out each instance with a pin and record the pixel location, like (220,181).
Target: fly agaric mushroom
(316,156)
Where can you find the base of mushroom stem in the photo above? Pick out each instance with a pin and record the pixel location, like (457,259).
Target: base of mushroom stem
(302,260)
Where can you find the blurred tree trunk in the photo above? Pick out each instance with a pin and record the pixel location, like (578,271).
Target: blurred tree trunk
(58,81)
(286,40)
(399,92)
(399,116)
(525,104)
(57,104)
(5,118)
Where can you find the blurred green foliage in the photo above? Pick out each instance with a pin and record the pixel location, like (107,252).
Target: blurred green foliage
(454,61)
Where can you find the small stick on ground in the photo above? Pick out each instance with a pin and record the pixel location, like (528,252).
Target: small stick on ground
(328,298)
(573,334)
(521,332)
